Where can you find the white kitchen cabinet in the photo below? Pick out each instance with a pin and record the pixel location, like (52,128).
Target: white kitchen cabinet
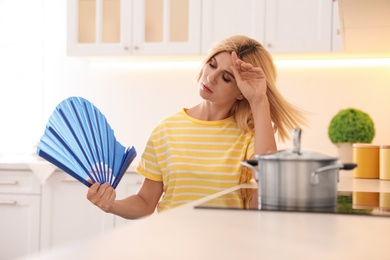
(223,18)
(298,26)
(282,26)
(38,216)
(337,43)
(112,27)
(166,26)
(20,199)
(67,215)
(159,27)
(97,27)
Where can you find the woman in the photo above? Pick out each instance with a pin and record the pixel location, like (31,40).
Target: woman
(197,151)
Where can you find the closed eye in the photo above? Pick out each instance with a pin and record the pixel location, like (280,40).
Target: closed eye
(226,77)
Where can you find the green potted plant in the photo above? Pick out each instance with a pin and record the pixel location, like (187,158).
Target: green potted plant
(350,126)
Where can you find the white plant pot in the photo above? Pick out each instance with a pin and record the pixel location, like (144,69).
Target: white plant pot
(345,152)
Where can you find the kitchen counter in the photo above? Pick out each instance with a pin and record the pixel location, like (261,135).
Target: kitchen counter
(41,168)
(42,207)
(348,183)
(190,233)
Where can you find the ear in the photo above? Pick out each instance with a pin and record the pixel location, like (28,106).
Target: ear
(240,97)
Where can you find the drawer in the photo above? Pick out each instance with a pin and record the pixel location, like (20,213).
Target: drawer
(19,181)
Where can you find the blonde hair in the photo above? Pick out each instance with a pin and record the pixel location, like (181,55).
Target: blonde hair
(284,115)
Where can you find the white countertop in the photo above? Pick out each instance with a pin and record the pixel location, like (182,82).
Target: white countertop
(189,233)
(41,168)
(348,183)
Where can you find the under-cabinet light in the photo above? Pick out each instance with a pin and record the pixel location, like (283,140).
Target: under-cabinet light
(144,65)
(297,63)
(333,62)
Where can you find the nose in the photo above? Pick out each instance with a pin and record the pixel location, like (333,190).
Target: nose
(211,77)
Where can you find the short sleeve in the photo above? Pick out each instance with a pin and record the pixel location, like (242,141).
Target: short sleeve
(148,165)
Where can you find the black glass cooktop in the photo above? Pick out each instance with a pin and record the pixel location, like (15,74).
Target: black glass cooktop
(353,203)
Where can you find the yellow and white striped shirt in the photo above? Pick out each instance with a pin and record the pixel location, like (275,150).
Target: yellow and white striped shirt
(195,158)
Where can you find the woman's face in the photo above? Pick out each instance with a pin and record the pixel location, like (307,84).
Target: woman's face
(217,83)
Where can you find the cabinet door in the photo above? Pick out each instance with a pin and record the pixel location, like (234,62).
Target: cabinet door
(67,215)
(336,32)
(112,27)
(129,185)
(99,27)
(299,26)
(19,226)
(223,18)
(166,26)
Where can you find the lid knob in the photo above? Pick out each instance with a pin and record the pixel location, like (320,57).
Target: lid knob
(297,140)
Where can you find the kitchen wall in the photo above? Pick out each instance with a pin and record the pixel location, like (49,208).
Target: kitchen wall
(324,90)
(36,75)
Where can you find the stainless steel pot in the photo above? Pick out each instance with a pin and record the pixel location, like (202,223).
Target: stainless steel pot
(297,180)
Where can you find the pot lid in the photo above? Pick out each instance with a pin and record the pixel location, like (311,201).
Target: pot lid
(293,155)
(296,153)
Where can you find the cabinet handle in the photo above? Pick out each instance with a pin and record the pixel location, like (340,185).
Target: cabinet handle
(69,180)
(7,202)
(8,182)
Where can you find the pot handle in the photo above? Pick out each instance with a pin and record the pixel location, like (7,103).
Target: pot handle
(314,180)
(252,165)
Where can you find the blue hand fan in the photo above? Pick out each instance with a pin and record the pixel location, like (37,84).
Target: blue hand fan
(79,141)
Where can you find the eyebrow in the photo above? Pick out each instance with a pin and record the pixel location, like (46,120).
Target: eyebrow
(228,72)
(231,74)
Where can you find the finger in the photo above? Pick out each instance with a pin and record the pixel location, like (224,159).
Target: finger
(234,57)
(236,74)
(107,199)
(108,196)
(112,194)
(96,192)
(102,189)
(107,193)
(246,66)
(93,190)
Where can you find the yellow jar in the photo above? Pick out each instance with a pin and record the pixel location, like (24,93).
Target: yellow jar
(384,201)
(366,156)
(362,200)
(384,162)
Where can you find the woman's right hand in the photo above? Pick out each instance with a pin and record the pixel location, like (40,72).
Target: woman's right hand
(103,196)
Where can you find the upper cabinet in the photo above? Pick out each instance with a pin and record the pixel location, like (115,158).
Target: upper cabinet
(298,26)
(222,18)
(98,27)
(166,26)
(282,26)
(112,27)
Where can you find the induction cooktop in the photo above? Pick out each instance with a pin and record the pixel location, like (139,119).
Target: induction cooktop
(352,203)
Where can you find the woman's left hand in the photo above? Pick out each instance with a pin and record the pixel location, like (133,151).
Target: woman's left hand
(250,80)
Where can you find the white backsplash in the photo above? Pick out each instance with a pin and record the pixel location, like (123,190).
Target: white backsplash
(36,77)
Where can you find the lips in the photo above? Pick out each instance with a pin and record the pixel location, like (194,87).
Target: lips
(206,89)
